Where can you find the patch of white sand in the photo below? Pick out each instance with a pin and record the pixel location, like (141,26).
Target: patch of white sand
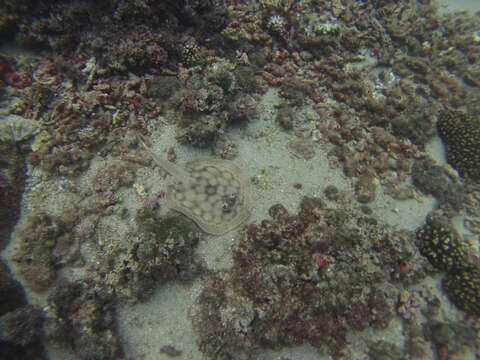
(162,321)
(455,5)
(268,155)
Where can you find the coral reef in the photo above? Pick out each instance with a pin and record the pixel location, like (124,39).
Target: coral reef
(207,106)
(447,251)
(383,350)
(461,133)
(463,288)
(121,35)
(373,78)
(20,324)
(304,278)
(442,245)
(286,117)
(45,244)
(12,295)
(113,177)
(161,251)
(202,133)
(83,320)
(450,338)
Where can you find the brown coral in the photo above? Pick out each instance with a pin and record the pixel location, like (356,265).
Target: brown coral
(442,245)
(463,289)
(45,244)
(461,133)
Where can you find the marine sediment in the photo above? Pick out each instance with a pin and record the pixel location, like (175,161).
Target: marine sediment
(362,85)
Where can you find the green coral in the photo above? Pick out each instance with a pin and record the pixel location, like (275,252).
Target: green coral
(461,134)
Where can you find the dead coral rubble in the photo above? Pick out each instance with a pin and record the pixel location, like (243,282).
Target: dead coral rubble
(161,251)
(83,320)
(45,244)
(305,278)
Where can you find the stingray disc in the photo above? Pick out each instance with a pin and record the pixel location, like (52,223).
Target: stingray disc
(217,198)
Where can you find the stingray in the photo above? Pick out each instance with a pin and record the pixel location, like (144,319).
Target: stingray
(213,193)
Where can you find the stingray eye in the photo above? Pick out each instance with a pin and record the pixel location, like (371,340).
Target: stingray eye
(228,202)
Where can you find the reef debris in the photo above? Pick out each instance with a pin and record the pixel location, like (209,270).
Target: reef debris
(305,278)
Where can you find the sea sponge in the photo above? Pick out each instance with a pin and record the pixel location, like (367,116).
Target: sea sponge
(461,134)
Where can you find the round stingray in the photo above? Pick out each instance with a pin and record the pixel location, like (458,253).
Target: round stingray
(216,198)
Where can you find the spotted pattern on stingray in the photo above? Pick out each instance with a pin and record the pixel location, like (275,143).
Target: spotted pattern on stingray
(461,134)
(216,198)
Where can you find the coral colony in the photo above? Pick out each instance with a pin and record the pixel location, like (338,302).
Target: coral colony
(89,219)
